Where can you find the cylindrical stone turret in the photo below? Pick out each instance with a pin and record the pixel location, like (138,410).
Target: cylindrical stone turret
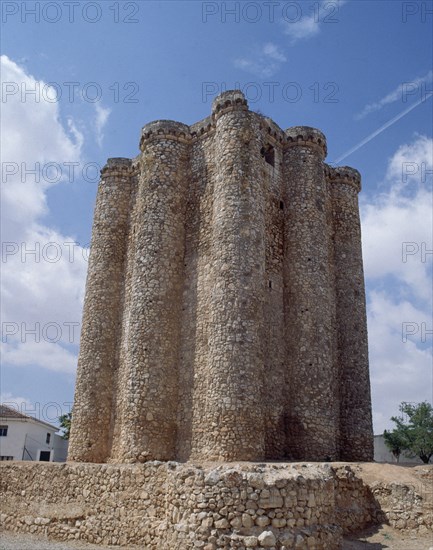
(147,386)
(97,363)
(312,407)
(231,426)
(356,434)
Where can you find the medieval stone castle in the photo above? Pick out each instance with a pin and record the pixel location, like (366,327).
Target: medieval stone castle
(225,314)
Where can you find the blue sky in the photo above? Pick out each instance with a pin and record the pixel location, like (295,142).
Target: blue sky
(360,71)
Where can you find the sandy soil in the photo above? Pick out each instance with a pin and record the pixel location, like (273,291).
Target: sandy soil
(390,473)
(11,541)
(378,538)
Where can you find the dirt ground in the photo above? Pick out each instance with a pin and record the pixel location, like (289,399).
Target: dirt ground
(378,538)
(382,537)
(12,541)
(389,473)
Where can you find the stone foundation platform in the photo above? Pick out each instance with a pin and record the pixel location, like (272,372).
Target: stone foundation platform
(174,506)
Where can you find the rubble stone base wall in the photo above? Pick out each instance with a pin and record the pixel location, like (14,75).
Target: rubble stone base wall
(170,506)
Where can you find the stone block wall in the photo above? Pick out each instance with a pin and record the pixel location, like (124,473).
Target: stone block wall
(403,500)
(167,505)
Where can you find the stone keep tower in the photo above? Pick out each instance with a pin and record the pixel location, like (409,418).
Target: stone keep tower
(225,314)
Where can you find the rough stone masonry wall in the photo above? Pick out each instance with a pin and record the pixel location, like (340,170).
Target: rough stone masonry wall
(363,499)
(170,506)
(147,385)
(312,399)
(94,397)
(224,316)
(351,322)
(231,422)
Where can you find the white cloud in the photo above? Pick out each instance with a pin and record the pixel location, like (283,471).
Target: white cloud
(305,28)
(408,161)
(400,370)
(35,138)
(102,115)
(79,137)
(300,26)
(264,62)
(397,224)
(399,281)
(403,92)
(43,354)
(45,285)
(48,286)
(273,52)
(15,402)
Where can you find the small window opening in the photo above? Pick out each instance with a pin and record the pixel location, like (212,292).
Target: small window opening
(270,284)
(45,456)
(268,153)
(48,439)
(3,431)
(281,205)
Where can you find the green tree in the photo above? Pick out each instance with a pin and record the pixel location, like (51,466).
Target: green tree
(413,433)
(395,442)
(65,424)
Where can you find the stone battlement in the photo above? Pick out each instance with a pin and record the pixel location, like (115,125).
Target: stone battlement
(228,101)
(118,166)
(305,135)
(164,129)
(224,316)
(344,174)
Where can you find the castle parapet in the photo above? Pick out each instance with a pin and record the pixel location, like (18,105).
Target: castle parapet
(232,100)
(165,129)
(310,137)
(202,127)
(343,174)
(118,166)
(272,130)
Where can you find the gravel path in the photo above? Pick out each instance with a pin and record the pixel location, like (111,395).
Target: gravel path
(380,538)
(10,541)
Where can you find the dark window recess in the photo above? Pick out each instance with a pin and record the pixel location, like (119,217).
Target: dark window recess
(45,456)
(268,153)
(3,431)
(270,284)
(281,205)
(48,439)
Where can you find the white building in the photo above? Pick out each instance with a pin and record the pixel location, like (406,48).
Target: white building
(383,454)
(25,438)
